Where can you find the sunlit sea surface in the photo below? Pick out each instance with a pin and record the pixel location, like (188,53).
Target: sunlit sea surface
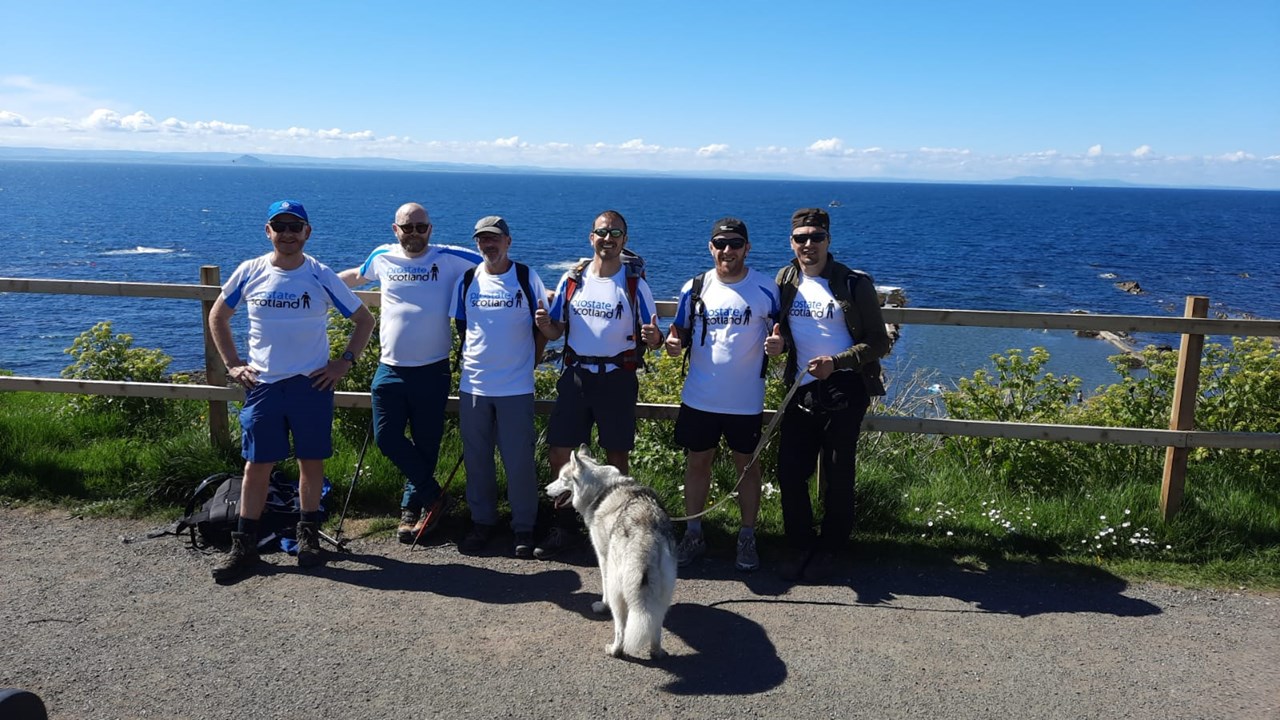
(978,247)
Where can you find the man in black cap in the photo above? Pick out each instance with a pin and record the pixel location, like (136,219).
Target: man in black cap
(835,336)
(723,317)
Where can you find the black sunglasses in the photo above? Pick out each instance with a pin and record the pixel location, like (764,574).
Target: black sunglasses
(722,243)
(422,228)
(815,238)
(287,226)
(608,232)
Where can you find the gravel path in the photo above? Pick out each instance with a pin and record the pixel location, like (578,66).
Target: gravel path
(101,629)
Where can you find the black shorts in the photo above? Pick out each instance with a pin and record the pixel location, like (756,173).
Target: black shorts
(606,400)
(699,430)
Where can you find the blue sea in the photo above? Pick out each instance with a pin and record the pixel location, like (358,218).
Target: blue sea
(978,247)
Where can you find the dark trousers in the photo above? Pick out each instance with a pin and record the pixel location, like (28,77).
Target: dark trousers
(413,398)
(806,439)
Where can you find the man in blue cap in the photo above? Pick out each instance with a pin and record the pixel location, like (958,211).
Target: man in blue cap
(289,376)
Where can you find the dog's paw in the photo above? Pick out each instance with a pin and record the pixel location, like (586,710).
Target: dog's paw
(658,653)
(599,607)
(613,649)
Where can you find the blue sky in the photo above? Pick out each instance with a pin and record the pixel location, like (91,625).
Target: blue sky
(1171,92)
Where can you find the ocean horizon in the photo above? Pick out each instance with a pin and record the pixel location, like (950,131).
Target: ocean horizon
(976,247)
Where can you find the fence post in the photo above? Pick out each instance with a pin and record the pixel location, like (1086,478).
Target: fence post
(215,373)
(1185,388)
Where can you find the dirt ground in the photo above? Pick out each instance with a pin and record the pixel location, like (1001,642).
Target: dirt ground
(101,628)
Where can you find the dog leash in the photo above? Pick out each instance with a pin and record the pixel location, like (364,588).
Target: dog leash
(760,446)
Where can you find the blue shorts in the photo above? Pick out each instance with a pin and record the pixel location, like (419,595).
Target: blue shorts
(272,411)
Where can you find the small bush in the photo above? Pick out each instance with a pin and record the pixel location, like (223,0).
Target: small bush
(100,355)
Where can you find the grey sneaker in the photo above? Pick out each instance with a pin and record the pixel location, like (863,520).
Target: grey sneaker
(477,539)
(748,558)
(308,544)
(524,545)
(243,556)
(690,548)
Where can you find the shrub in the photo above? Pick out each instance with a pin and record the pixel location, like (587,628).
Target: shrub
(100,355)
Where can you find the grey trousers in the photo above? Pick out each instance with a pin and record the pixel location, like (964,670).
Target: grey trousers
(507,424)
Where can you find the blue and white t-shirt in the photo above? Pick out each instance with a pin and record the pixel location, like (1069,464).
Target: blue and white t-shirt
(497,358)
(288,314)
(724,368)
(600,318)
(415,300)
(817,325)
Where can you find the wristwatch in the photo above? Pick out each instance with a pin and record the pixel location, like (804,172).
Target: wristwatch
(349,357)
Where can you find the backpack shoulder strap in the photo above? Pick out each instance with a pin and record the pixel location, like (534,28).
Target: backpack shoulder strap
(522,277)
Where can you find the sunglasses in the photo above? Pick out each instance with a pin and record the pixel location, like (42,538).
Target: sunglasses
(722,243)
(815,238)
(422,228)
(608,232)
(287,226)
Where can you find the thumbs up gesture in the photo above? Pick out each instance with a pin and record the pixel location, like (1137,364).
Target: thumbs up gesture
(542,320)
(650,334)
(674,344)
(774,344)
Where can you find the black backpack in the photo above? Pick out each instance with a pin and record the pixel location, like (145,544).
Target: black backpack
(211,522)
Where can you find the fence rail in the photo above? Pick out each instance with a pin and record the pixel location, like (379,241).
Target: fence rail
(1193,326)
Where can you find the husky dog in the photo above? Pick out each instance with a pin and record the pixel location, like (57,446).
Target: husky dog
(634,545)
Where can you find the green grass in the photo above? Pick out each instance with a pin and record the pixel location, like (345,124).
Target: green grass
(917,499)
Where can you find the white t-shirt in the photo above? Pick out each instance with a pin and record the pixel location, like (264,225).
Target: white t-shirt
(288,314)
(415,300)
(817,325)
(600,319)
(724,370)
(497,358)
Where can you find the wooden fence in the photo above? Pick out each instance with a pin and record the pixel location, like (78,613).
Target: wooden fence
(1178,439)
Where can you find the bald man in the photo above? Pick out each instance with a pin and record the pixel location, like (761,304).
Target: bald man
(412,381)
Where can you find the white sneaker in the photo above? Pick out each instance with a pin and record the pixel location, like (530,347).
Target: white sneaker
(690,548)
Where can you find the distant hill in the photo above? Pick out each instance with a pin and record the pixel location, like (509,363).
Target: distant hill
(248,160)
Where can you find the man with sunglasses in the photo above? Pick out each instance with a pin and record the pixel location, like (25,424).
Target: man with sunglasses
(289,377)
(598,386)
(723,319)
(835,336)
(410,387)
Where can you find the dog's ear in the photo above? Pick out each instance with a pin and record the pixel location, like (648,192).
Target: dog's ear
(584,454)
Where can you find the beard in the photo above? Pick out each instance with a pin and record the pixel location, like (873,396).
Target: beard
(413,243)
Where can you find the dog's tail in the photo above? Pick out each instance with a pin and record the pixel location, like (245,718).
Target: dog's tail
(648,601)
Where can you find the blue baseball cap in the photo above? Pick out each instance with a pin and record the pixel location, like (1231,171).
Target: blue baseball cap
(287,207)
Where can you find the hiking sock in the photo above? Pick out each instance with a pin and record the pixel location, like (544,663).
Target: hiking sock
(746,532)
(313,516)
(695,526)
(248,527)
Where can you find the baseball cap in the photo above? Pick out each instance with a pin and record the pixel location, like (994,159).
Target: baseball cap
(811,217)
(491,224)
(286,207)
(729,227)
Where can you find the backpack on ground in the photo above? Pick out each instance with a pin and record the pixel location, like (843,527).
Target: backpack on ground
(210,522)
(632,358)
(522,277)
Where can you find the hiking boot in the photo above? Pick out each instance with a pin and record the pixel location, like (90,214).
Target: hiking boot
(477,539)
(524,545)
(748,559)
(791,568)
(408,525)
(557,541)
(691,547)
(428,521)
(308,544)
(242,557)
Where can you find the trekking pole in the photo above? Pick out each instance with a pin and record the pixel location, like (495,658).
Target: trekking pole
(439,505)
(336,540)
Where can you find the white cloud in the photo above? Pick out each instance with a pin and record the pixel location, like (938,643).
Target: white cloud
(100,127)
(829,147)
(13,119)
